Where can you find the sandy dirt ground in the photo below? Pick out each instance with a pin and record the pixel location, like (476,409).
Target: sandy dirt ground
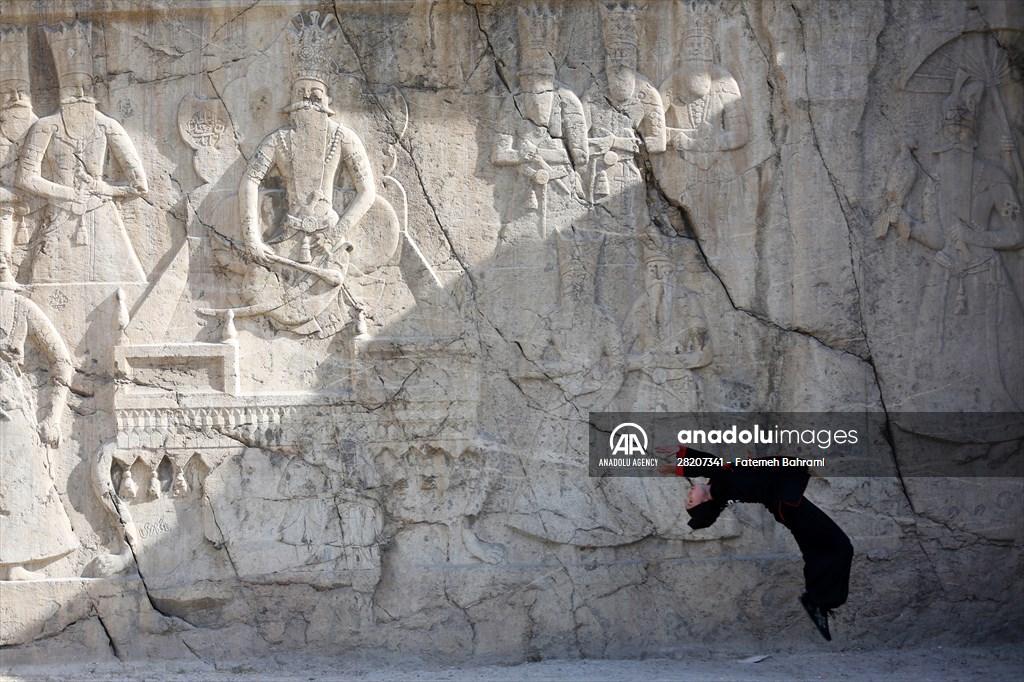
(995,663)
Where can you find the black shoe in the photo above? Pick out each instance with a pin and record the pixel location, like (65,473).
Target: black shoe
(819,617)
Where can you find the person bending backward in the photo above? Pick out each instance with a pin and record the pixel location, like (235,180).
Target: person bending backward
(826,549)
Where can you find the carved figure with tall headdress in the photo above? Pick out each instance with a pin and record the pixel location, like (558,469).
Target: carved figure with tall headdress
(301,262)
(625,113)
(666,335)
(542,133)
(976,222)
(16,117)
(703,103)
(83,238)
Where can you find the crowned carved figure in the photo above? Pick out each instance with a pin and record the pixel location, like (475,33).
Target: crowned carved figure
(16,117)
(300,261)
(703,103)
(83,238)
(542,134)
(34,528)
(625,114)
(973,228)
(666,336)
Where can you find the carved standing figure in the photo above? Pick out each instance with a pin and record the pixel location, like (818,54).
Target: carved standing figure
(973,304)
(706,119)
(16,117)
(667,339)
(542,134)
(34,527)
(703,104)
(302,262)
(623,116)
(83,238)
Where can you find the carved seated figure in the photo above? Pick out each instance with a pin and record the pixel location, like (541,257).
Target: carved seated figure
(300,255)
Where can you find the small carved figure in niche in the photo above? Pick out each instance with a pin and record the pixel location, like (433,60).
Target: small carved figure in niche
(623,117)
(34,527)
(301,265)
(703,104)
(974,305)
(153,489)
(128,488)
(542,132)
(667,337)
(180,488)
(16,117)
(83,238)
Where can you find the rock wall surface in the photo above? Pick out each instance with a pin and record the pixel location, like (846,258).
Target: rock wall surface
(305,306)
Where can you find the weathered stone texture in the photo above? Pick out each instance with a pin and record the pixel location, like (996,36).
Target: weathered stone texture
(340,283)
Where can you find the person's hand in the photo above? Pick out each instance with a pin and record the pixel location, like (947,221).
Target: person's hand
(527,151)
(667,470)
(49,431)
(260,252)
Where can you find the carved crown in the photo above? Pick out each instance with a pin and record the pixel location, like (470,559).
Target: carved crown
(13,55)
(71,45)
(700,20)
(655,247)
(960,108)
(538,35)
(578,256)
(311,37)
(619,20)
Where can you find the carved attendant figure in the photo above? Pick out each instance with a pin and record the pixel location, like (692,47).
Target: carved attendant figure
(706,120)
(974,304)
(16,116)
(622,118)
(703,104)
(542,132)
(33,525)
(306,255)
(668,338)
(84,239)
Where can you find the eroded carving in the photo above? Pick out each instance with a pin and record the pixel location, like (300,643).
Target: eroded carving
(83,238)
(625,113)
(576,350)
(16,117)
(667,337)
(34,528)
(703,103)
(541,134)
(970,214)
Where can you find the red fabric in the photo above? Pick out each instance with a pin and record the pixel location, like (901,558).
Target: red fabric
(681,453)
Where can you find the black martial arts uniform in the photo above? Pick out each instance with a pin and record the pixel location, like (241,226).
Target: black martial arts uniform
(826,550)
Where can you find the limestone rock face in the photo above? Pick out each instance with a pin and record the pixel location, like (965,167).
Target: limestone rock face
(305,308)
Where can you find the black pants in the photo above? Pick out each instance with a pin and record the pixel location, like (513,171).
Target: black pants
(826,549)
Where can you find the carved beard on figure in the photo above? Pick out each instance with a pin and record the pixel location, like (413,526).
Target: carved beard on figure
(621,82)
(15,119)
(657,291)
(79,115)
(309,148)
(697,77)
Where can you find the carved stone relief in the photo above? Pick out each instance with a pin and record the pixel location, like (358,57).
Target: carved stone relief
(964,206)
(83,238)
(16,117)
(34,528)
(306,415)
